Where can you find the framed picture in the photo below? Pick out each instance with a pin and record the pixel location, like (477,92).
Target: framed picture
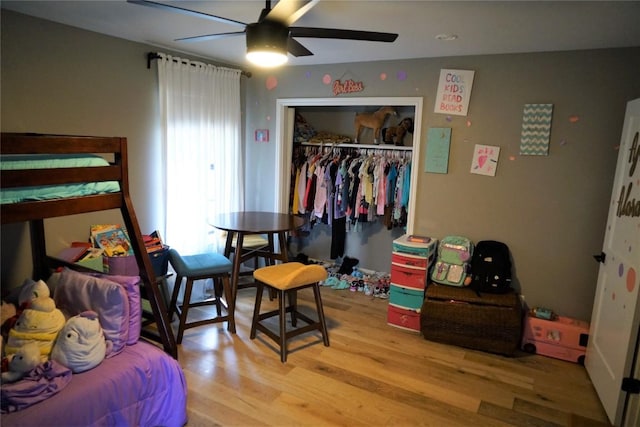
(485,159)
(536,129)
(262,135)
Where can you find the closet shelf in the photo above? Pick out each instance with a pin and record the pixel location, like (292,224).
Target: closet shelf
(363,146)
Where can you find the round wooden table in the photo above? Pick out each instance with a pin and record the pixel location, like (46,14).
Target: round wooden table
(271,224)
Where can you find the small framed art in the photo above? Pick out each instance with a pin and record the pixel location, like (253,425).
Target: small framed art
(262,135)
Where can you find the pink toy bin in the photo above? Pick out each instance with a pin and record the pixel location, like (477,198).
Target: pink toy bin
(563,338)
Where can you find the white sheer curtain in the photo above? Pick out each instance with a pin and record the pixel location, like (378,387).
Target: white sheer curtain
(201,139)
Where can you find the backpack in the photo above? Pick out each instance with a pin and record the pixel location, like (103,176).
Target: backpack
(453,261)
(491,267)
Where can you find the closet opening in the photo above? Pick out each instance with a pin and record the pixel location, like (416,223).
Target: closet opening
(372,241)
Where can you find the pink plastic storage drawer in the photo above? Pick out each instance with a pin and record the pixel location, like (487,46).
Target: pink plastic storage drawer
(409,260)
(404,319)
(408,277)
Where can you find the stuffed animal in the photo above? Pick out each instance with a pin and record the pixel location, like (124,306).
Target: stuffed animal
(81,344)
(29,291)
(373,121)
(395,134)
(40,324)
(24,361)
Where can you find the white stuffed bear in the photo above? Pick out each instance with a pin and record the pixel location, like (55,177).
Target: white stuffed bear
(81,344)
(23,362)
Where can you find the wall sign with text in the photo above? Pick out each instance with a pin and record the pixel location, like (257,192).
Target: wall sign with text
(454,92)
(348,86)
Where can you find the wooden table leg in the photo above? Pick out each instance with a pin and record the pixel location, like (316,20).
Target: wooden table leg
(282,241)
(237,262)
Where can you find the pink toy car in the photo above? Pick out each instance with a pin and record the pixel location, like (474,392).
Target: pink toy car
(563,338)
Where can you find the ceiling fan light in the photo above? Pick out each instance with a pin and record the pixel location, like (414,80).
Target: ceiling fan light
(267,43)
(267,58)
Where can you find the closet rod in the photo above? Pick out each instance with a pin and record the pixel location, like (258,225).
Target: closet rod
(361,146)
(361,151)
(154,55)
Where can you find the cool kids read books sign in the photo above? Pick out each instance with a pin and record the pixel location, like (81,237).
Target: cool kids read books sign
(454,92)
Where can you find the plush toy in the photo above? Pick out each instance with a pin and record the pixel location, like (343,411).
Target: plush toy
(373,121)
(29,291)
(40,324)
(395,134)
(81,344)
(24,361)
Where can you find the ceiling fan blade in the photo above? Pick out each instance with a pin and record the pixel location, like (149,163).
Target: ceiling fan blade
(289,11)
(188,12)
(334,33)
(296,49)
(207,37)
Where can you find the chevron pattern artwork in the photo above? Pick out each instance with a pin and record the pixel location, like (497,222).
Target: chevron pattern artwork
(536,129)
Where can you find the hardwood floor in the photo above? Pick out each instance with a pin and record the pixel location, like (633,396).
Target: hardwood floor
(372,374)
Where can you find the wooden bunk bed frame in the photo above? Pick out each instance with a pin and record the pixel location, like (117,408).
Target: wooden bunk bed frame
(36,211)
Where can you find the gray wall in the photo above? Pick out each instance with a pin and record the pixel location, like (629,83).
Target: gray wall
(551,210)
(59,79)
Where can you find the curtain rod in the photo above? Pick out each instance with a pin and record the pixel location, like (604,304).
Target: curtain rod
(154,55)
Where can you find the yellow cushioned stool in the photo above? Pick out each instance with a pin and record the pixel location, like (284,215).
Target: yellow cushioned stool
(286,279)
(199,267)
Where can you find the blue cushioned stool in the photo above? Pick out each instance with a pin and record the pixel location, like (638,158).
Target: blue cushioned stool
(286,280)
(200,267)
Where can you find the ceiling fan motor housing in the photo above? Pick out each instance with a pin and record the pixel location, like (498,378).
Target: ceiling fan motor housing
(267,36)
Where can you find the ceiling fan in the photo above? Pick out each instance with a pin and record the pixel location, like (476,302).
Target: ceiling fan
(272,36)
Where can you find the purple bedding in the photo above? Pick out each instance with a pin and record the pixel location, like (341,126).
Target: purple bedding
(142,386)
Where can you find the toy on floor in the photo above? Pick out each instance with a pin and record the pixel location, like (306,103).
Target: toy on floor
(543,313)
(372,121)
(559,337)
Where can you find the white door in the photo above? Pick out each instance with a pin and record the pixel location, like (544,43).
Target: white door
(615,317)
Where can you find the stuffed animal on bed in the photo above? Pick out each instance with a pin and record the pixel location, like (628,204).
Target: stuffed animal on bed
(81,344)
(29,291)
(40,323)
(22,362)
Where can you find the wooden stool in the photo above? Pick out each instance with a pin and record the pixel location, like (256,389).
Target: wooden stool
(199,267)
(286,279)
(252,244)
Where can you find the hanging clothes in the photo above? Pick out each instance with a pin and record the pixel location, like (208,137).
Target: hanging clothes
(347,187)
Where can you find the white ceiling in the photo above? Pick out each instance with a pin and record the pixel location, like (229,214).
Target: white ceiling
(482,27)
